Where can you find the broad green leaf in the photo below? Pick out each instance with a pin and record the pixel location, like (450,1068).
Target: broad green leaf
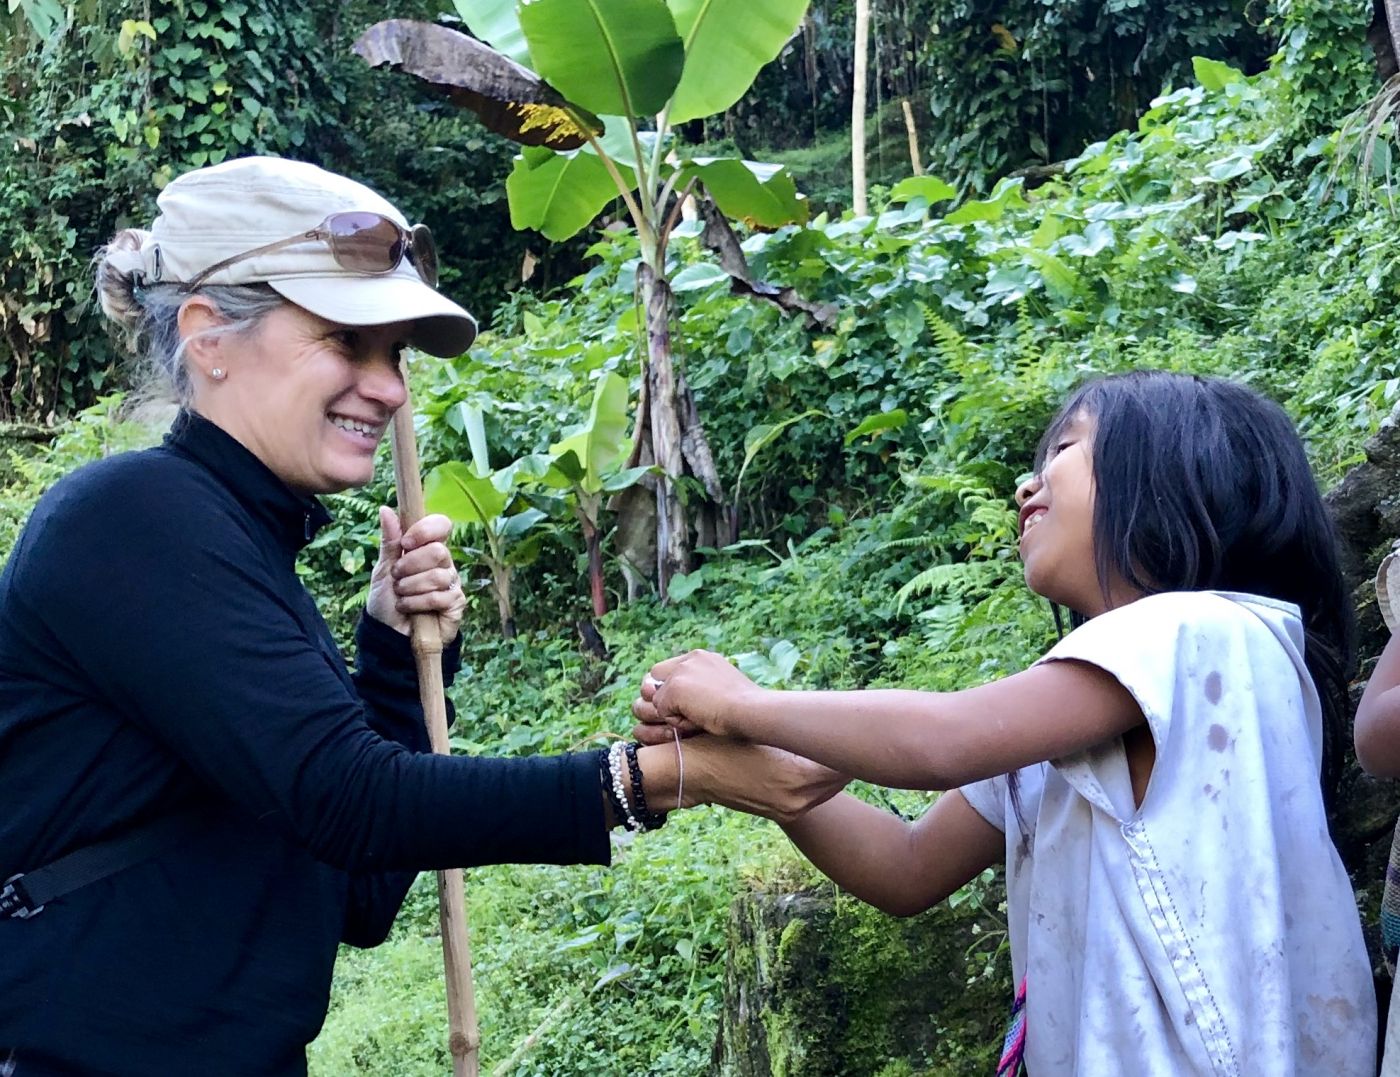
(1214,74)
(568,460)
(621,57)
(904,322)
(607,423)
(727,42)
(621,480)
(1006,196)
(588,455)
(784,657)
(616,142)
(512,527)
(533,467)
(879,424)
(45,17)
(930,188)
(757,194)
(699,275)
(461,495)
(683,585)
(509,99)
(560,197)
(474,426)
(496,22)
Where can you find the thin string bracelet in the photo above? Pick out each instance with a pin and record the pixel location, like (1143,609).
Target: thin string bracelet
(680,767)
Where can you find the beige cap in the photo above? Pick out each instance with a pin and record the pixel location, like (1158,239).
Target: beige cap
(215,213)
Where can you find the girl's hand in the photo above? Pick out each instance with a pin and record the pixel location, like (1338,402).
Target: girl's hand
(699,692)
(415,574)
(756,779)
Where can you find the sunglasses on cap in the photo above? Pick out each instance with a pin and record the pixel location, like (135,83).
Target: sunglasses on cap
(360,242)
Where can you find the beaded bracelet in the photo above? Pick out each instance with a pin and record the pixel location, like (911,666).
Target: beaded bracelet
(619,807)
(648,818)
(616,754)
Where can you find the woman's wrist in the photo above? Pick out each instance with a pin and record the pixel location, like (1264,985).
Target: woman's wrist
(666,777)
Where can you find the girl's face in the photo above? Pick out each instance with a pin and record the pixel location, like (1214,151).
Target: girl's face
(1057,522)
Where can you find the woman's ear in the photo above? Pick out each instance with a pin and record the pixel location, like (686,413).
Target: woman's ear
(198,315)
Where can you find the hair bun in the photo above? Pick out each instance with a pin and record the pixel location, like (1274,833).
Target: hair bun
(119,265)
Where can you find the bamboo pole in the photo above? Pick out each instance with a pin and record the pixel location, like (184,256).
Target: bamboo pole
(464,1039)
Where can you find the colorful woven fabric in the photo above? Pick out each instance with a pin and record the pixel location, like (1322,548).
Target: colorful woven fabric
(1390,904)
(1013,1048)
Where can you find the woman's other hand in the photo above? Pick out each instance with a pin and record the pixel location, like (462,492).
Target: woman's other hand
(699,692)
(415,574)
(757,779)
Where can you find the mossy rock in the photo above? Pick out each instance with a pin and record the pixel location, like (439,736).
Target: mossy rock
(818,984)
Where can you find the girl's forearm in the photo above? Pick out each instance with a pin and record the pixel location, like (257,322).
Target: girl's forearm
(892,737)
(901,868)
(863,850)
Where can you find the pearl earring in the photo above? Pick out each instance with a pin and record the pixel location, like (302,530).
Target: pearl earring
(217,373)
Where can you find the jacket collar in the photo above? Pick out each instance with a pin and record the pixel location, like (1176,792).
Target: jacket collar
(290,518)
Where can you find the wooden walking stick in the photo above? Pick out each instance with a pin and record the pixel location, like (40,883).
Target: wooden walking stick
(464,1039)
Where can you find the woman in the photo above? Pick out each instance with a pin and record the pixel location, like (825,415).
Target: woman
(174,711)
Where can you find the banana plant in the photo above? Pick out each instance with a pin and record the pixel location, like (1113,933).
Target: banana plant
(592,89)
(478,499)
(591,462)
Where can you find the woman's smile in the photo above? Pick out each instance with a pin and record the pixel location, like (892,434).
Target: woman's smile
(362,433)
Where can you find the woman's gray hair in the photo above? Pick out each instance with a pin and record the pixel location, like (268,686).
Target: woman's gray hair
(147,316)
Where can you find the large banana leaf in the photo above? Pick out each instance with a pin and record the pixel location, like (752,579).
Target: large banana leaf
(590,454)
(620,57)
(463,496)
(558,194)
(726,43)
(757,194)
(497,22)
(509,99)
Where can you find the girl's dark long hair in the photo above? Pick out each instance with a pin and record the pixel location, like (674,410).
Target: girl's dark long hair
(1202,484)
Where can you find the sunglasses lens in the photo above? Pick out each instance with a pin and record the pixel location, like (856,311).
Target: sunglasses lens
(425,254)
(365,242)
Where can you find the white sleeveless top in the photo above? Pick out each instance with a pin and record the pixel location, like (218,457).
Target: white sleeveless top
(1213,930)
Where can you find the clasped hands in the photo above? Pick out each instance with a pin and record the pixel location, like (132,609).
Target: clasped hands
(702,697)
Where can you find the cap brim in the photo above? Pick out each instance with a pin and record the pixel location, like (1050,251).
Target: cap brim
(441,328)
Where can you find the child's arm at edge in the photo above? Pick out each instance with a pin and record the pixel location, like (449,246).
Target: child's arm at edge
(899,867)
(1377,730)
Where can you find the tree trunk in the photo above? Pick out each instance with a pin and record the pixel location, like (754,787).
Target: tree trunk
(862,48)
(593,542)
(915,161)
(1384,37)
(500,583)
(672,531)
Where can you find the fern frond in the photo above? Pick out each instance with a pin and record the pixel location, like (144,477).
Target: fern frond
(960,578)
(952,347)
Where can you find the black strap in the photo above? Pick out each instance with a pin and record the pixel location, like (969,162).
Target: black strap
(25,895)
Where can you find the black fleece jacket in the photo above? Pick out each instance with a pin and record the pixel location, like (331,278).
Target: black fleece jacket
(158,655)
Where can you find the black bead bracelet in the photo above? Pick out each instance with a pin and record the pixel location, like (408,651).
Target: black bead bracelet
(649,819)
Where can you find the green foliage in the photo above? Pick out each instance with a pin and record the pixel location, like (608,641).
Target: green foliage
(99,114)
(1327,63)
(30,469)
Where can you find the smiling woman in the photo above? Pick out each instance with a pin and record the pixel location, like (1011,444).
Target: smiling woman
(184,753)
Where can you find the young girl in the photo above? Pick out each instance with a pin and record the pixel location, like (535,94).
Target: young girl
(1175,903)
